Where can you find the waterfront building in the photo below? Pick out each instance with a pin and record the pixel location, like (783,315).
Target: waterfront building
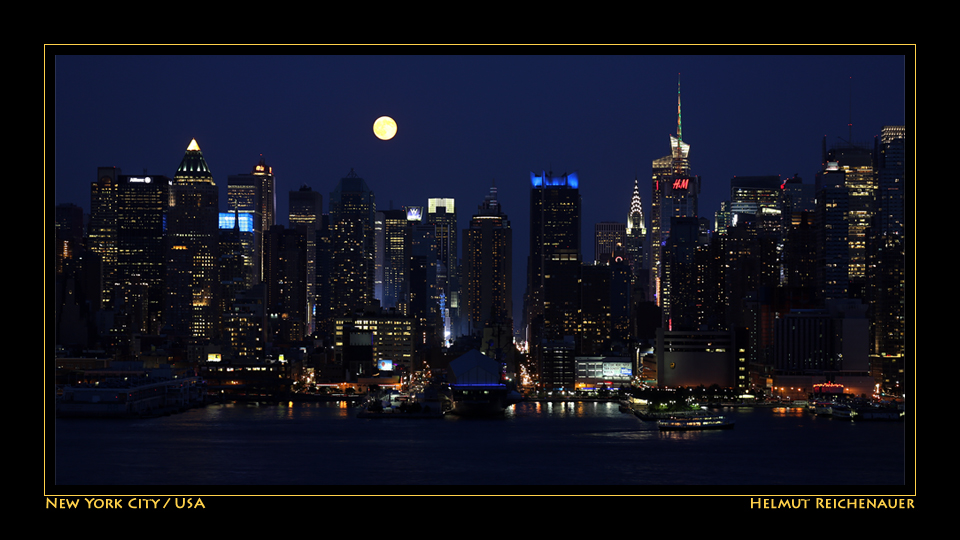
(390,335)
(558,364)
(192,242)
(603,372)
(830,343)
(694,358)
(553,267)
(886,263)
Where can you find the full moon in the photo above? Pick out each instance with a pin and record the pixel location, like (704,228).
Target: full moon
(384,128)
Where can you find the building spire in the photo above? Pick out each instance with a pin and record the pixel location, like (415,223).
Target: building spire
(635,216)
(679,127)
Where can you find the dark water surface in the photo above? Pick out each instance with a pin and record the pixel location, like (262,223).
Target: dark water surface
(533,444)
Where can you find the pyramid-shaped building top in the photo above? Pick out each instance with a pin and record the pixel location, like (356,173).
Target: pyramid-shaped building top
(193,167)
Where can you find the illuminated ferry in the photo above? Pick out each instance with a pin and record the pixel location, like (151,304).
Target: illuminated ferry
(695,423)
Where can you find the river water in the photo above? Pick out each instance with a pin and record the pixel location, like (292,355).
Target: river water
(311,445)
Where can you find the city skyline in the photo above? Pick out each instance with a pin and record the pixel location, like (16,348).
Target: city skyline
(465,123)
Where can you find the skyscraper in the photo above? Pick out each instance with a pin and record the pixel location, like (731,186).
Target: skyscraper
(760,196)
(604,307)
(856,163)
(553,266)
(285,258)
(675,195)
(679,276)
(140,205)
(886,262)
(442,214)
(487,267)
(352,245)
(426,299)
(394,259)
(254,194)
(192,251)
(636,235)
(305,214)
(610,242)
(102,230)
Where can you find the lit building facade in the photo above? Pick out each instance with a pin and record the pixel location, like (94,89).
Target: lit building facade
(102,231)
(425,294)
(442,214)
(680,296)
(886,264)
(352,245)
(610,242)
(761,196)
(604,307)
(305,214)
(553,269)
(856,164)
(140,205)
(694,358)
(636,236)
(675,195)
(393,254)
(392,336)
(488,267)
(254,194)
(285,260)
(192,308)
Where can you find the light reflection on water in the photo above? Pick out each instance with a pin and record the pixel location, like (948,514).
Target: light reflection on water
(532,443)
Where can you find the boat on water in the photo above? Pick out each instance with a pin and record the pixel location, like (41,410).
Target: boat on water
(878,413)
(688,423)
(867,411)
(122,397)
(842,411)
(648,415)
(823,408)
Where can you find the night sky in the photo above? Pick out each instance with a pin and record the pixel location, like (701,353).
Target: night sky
(467,121)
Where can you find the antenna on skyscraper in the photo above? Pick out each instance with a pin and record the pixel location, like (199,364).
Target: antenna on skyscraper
(679,126)
(850,123)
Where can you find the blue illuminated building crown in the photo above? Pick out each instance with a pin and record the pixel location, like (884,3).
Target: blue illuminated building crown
(548,180)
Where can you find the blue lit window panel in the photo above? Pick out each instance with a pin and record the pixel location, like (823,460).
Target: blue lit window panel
(246,221)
